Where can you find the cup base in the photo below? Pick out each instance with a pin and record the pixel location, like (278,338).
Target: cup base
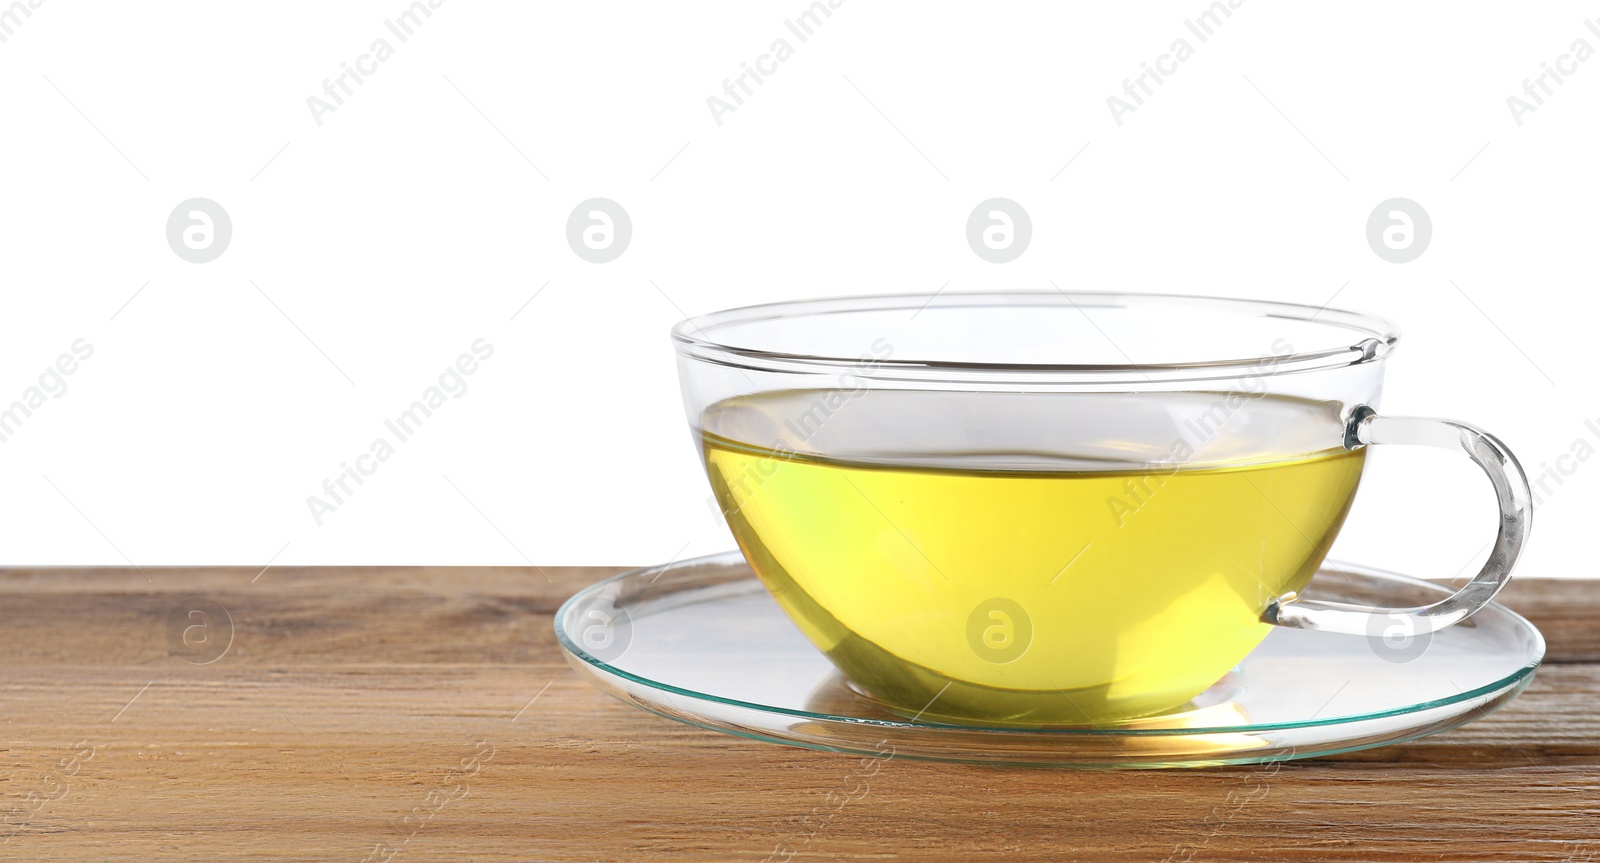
(986,707)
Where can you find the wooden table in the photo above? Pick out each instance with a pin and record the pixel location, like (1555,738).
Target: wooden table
(425,714)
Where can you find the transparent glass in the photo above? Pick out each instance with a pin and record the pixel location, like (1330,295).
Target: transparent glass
(701,641)
(1055,508)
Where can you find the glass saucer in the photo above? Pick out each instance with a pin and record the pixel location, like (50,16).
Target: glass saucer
(701,641)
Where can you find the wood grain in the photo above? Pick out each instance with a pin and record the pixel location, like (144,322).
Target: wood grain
(424,713)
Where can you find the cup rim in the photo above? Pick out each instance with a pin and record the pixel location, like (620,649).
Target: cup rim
(693,338)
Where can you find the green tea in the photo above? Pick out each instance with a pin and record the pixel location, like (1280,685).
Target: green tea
(1043,560)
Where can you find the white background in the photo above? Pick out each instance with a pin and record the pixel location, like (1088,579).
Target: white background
(427,210)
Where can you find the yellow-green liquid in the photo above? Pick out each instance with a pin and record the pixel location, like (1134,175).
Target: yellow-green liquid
(992,584)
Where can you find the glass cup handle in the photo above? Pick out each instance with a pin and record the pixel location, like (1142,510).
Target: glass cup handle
(1516,510)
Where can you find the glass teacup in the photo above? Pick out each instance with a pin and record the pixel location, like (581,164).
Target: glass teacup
(1054,508)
